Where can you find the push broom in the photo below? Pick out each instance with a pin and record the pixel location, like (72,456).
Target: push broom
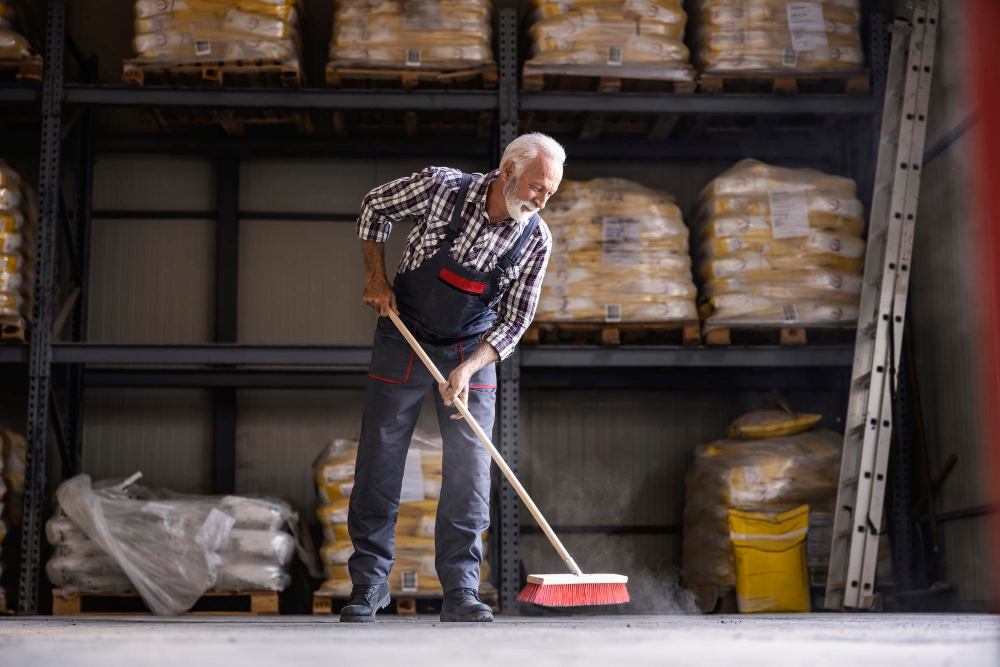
(548,590)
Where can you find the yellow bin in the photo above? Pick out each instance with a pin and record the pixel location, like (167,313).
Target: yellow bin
(770,555)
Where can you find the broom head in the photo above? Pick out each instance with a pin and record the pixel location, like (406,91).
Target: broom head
(573,590)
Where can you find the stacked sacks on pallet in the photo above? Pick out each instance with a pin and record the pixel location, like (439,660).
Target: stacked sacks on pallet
(413,572)
(779,247)
(16,41)
(619,254)
(180,32)
(777,36)
(641,39)
(418,34)
(756,473)
(170,547)
(17,251)
(12,462)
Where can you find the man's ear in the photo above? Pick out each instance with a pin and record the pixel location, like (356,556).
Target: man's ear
(507,169)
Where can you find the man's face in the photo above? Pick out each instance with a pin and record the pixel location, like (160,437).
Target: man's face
(528,192)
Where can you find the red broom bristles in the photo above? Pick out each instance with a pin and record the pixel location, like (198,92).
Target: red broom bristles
(574,595)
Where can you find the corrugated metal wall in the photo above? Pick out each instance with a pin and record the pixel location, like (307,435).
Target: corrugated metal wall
(944,309)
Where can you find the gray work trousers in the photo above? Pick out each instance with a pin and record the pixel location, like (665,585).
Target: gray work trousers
(397,384)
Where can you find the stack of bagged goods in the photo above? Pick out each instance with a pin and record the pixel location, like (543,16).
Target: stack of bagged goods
(12,461)
(619,254)
(641,39)
(15,43)
(413,573)
(777,36)
(418,34)
(779,247)
(772,463)
(17,248)
(115,537)
(183,32)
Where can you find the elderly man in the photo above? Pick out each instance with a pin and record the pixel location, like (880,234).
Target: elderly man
(467,286)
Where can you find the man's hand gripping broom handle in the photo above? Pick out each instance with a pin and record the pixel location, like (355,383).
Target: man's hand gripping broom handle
(508,473)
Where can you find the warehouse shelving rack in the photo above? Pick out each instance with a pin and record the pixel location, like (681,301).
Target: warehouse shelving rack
(67,116)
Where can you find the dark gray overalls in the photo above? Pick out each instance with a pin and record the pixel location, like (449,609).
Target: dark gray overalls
(447,306)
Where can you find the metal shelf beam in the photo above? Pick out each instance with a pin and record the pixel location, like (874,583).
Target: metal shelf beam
(20,94)
(686,357)
(211,353)
(700,103)
(306,98)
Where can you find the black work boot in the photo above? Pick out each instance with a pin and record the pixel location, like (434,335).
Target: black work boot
(464,605)
(366,599)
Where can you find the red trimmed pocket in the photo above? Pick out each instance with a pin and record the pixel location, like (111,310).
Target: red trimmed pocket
(460,283)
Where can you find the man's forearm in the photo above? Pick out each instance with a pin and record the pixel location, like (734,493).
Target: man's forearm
(374,253)
(484,355)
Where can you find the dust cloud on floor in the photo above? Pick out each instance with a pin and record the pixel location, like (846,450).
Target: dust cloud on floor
(749,641)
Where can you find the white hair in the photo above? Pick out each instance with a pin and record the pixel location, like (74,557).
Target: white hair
(527,147)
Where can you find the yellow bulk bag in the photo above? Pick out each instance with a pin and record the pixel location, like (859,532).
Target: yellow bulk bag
(771,424)
(770,555)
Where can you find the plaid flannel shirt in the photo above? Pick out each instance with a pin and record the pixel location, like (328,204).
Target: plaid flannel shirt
(429,197)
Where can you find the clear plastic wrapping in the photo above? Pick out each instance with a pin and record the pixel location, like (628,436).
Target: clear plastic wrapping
(17,241)
(641,39)
(180,32)
(419,34)
(106,539)
(777,35)
(14,28)
(771,475)
(619,253)
(779,247)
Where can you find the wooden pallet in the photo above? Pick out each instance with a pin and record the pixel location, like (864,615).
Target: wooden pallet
(13,328)
(387,122)
(612,335)
(535,82)
(402,606)
(411,78)
(853,82)
(213,603)
(779,336)
(238,74)
(21,70)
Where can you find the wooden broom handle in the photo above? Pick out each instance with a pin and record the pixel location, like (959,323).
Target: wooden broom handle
(508,473)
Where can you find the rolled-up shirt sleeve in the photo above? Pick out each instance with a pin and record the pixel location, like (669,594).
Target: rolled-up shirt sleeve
(399,200)
(517,307)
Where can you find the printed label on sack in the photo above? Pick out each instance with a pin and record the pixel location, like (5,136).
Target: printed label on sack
(789,58)
(789,313)
(613,312)
(789,213)
(202,48)
(620,241)
(413,57)
(409,582)
(806,24)
(615,55)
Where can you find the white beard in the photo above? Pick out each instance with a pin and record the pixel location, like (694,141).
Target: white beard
(514,205)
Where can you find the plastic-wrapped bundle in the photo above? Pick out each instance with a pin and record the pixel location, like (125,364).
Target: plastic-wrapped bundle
(14,28)
(777,35)
(619,253)
(642,39)
(179,32)
(17,252)
(90,553)
(770,475)
(428,34)
(779,247)
(413,572)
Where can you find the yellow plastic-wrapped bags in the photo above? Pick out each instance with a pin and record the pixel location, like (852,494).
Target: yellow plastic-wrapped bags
(179,32)
(619,253)
(771,565)
(770,475)
(17,251)
(777,35)
(779,247)
(641,39)
(420,34)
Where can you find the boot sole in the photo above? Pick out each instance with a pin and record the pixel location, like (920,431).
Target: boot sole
(381,604)
(477,617)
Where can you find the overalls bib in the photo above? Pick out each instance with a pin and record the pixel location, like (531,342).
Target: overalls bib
(446,306)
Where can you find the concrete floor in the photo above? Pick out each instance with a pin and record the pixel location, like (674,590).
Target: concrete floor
(747,641)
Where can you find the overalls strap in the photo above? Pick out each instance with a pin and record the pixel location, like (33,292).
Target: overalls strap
(455,226)
(513,256)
